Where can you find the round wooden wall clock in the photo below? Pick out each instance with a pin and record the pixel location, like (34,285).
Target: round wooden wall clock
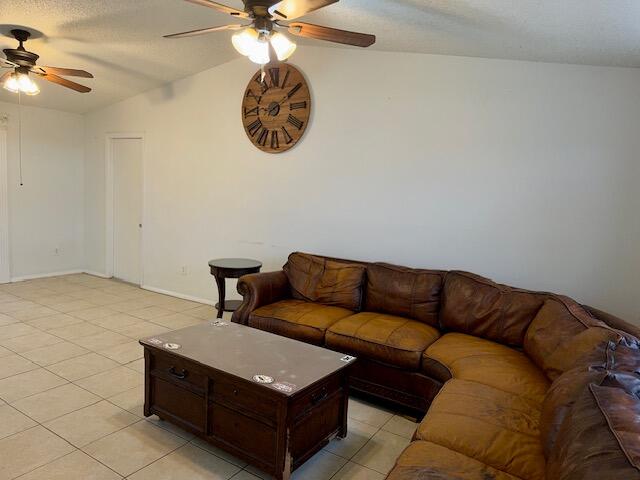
(276,108)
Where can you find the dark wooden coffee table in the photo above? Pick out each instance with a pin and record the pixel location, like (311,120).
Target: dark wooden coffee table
(206,379)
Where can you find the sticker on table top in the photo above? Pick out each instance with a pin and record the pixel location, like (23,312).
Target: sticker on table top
(348,358)
(262,379)
(285,387)
(219,323)
(172,346)
(155,341)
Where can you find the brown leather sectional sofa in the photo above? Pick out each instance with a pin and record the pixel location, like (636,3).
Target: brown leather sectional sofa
(515,384)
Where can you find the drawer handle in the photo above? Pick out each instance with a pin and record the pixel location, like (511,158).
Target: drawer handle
(182,375)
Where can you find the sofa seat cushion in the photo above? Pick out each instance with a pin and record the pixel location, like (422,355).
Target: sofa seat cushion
(389,339)
(297,319)
(429,461)
(497,428)
(489,363)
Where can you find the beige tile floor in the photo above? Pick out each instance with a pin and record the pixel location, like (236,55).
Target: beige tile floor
(71,394)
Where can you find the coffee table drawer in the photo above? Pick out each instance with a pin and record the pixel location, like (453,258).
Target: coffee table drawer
(237,396)
(178,371)
(243,433)
(170,399)
(315,396)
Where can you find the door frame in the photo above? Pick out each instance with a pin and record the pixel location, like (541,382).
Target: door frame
(110,199)
(5,247)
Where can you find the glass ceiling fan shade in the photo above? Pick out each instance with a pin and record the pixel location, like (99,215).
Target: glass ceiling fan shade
(260,53)
(283,47)
(252,44)
(20,82)
(244,41)
(255,45)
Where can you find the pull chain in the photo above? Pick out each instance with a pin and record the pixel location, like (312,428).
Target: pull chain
(20,135)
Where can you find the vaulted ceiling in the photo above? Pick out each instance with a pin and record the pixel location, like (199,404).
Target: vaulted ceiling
(120,41)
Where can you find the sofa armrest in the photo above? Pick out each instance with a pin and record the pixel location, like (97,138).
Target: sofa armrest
(260,289)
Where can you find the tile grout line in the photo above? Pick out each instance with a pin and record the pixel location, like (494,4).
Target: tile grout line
(101,399)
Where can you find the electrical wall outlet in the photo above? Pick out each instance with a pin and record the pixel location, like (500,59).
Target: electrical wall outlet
(184,270)
(56,251)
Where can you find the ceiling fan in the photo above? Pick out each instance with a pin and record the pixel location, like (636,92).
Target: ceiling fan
(23,62)
(259,37)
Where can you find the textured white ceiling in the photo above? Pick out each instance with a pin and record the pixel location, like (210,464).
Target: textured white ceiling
(120,40)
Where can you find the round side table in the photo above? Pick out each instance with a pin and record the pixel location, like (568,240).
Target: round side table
(223,268)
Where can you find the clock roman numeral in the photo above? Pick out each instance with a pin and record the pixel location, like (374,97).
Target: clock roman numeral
(249,112)
(297,105)
(274,73)
(250,94)
(296,122)
(286,77)
(275,142)
(262,139)
(260,81)
(288,138)
(254,127)
(294,90)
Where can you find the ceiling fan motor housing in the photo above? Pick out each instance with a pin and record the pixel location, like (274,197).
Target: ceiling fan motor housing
(19,55)
(260,8)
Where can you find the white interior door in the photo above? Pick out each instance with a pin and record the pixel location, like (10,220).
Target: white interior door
(127,208)
(5,270)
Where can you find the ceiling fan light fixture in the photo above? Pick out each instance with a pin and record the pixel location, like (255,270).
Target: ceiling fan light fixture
(260,52)
(20,82)
(244,41)
(283,47)
(11,84)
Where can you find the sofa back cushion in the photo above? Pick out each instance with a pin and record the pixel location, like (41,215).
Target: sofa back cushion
(329,282)
(563,335)
(477,306)
(599,437)
(405,292)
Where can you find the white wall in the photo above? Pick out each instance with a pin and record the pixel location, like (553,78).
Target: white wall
(47,212)
(525,172)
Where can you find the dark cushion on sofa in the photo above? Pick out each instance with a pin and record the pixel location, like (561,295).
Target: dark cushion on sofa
(405,292)
(599,437)
(561,396)
(389,339)
(477,306)
(297,319)
(317,279)
(563,335)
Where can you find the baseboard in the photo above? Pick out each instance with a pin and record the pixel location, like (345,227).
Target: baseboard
(178,295)
(97,274)
(44,275)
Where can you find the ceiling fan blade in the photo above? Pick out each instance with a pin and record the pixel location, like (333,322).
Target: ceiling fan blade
(67,72)
(290,9)
(51,77)
(331,34)
(202,31)
(7,64)
(220,7)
